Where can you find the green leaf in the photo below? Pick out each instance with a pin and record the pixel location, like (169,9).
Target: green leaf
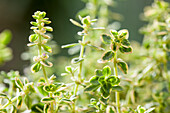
(125,43)
(26,80)
(28,101)
(37,108)
(141,109)
(66,100)
(33,37)
(48,28)
(29,88)
(86,20)
(106,39)
(106,71)
(105,90)
(53,77)
(122,65)
(5,37)
(109,55)
(47,48)
(114,33)
(101,80)
(35,67)
(3,111)
(123,33)
(98,72)
(47,99)
(3,95)
(125,50)
(14,109)
(68,69)
(103,101)
(111,110)
(114,46)
(94,80)
(75,23)
(31,44)
(70,45)
(77,60)
(50,88)
(46,63)
(117,88)
(18,83)
(91,88)
(112,80)
(46,108)
(34,23)
(93,101)
(149,110)
(95,47)
(46,36)
(19,102)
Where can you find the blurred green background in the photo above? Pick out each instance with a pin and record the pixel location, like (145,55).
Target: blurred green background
(16,16)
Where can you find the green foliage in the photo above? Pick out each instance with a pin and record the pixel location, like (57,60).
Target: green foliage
(40,39)
(5,52)
(147,83)
(104,81)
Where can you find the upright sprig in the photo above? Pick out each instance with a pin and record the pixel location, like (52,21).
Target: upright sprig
(39,39)
(86,24)
(118,41)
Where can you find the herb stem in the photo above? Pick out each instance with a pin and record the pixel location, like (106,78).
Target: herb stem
(80,70)
(117,93)
(52,108)
(12,100)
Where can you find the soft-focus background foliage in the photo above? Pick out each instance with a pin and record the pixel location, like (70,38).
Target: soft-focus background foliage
(15,15)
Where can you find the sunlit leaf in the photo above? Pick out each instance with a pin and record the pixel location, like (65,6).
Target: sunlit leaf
(109,55)
(106,39)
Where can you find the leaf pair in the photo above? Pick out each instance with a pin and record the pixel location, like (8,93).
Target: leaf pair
(117,40)
(37,66)
(103,80)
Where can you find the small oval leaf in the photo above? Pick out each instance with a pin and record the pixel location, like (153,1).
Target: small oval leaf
(123,33)
(50,88)
(37,108)
(35,67)
(117,88)
(46,63)
(14,109)
(98,72)
(28,101)
(3,95)
(70,45)
(94,80)
(125,50)
(19,102)
(33,37)
(122,65)
(109,55)
(77,60)
(91,88)
(18,83)
(125,43)
(106,71)
(106,39)
(75,23)
(46,108)
(47,99)
(47,48)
